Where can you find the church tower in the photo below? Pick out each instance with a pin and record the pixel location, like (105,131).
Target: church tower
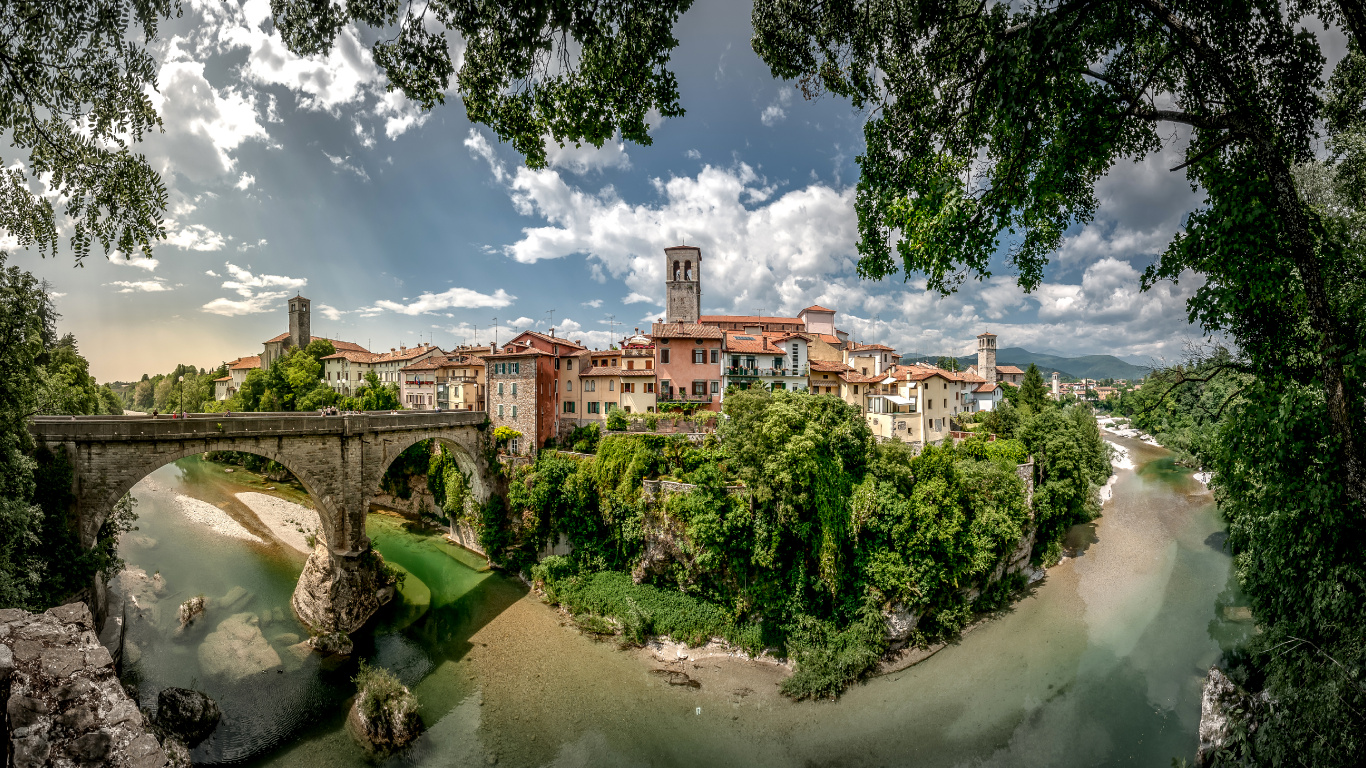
(682,284)
(300,322)
(986,357)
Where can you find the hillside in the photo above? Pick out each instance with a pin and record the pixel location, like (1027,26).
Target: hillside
(1085,367)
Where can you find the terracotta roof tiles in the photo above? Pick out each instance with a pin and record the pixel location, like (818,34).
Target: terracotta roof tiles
(685,331)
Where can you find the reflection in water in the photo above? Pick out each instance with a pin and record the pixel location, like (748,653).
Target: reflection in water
(1101,664)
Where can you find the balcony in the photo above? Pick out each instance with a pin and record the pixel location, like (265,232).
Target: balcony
(770,372)
(683,397)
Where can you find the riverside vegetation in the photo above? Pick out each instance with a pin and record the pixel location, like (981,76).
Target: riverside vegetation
(828,530)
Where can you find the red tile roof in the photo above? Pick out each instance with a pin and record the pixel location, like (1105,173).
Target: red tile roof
(751,344)
(755,319)
(685,331)
(445,361)
(987,388)
(549,339)
(816,308)
(830,366)
(372,358)
(873,347)
(340,345)
(241,363)
(1008,369)
(223,378)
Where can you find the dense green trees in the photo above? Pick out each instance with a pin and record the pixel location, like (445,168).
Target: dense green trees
(41,562)
(830,528)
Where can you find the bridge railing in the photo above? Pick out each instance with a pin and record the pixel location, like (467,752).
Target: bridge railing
(211,425)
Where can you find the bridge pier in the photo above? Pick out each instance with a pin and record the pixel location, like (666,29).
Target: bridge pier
(340,592)
(340,461)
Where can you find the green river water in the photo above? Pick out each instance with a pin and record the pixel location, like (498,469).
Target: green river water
(1101,664)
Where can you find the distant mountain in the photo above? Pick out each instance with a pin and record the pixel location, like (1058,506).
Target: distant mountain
(1086,367)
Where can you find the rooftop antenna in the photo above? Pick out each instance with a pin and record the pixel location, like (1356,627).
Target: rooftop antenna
(495,335)
(611,329)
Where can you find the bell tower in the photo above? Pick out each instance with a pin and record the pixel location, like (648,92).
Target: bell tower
(682,284)
(300,322)
(986,357)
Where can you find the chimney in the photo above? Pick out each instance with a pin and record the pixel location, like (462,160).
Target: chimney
(552,331)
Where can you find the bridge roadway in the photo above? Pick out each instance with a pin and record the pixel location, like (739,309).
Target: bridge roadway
(340,461)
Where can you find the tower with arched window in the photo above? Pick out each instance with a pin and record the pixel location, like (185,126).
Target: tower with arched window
(682,284)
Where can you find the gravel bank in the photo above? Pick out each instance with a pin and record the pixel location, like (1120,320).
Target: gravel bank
(289,522)
(213,518)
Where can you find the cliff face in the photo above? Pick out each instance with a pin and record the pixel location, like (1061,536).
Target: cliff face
(63,701)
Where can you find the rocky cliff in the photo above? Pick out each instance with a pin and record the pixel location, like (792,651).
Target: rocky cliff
(63,701)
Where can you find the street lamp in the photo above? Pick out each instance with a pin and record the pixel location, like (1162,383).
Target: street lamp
(180,393)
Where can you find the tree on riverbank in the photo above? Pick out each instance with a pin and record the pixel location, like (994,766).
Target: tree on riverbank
(41,562)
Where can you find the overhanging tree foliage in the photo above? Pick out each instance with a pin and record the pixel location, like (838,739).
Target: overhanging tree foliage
(73,96)
(571,71)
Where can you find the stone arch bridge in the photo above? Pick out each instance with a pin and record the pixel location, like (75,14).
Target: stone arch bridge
(340,461)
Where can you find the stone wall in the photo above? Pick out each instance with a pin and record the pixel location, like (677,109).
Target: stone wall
(464,535)
(1025,472)
(64,704)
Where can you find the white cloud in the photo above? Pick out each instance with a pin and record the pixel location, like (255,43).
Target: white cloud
(330,312)
(595,303)
(55,294)
(137,262)
(210,273)
(195,237)
(245,181)
(638,298)
(262,302)
(693,154)
(454,298)
(249,288)
(203,124)
(155,285)
(777,111)
(344,163)
(585,158)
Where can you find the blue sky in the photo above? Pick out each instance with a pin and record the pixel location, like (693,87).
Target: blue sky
(289,174)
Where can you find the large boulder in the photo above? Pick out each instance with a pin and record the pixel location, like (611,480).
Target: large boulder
(339,593)
(237,649)
(900,622)
(188,714)
(63,704)
(384,716)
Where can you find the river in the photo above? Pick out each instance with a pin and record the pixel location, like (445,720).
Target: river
(1101,664)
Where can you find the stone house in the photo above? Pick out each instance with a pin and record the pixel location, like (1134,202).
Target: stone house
(564,356)
(687,363)
(518,383)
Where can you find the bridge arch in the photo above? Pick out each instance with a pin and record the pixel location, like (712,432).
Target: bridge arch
(339,460)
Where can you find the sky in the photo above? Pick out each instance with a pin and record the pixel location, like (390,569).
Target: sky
(301,175)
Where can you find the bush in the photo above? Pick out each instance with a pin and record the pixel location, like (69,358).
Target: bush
(829,659)
(584,439)
(617,421)
(644,610)
(379,688)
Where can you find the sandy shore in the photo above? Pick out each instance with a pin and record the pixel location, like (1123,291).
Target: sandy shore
(213,518)
(289,522)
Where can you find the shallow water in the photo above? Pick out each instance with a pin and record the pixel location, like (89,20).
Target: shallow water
(1100,665)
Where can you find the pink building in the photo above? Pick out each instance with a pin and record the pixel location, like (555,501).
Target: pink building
(688,364)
